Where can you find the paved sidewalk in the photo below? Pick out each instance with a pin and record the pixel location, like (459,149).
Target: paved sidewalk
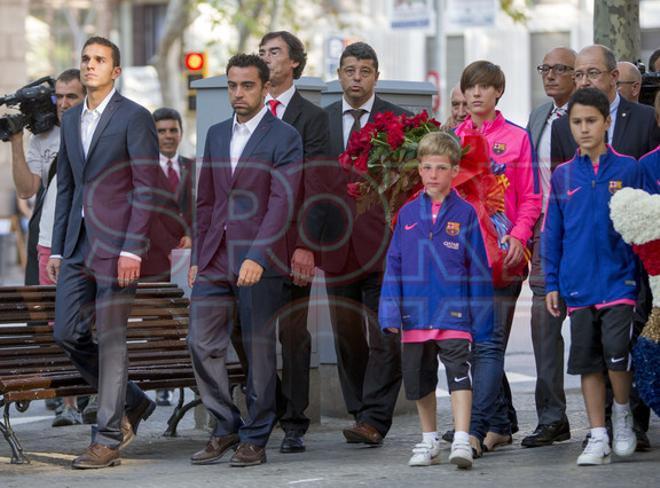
(155,461)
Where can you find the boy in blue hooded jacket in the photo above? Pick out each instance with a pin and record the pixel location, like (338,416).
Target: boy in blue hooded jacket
(437,291)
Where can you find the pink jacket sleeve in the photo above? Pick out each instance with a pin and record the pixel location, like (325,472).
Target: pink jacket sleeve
(528,202)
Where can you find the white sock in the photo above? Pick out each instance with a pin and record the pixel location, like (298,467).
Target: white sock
(621,408)
(461,436)
(600,433)
(430,437)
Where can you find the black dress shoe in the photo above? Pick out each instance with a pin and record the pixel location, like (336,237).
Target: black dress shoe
(546,434)
(643,443)
(292,442)
(141,412)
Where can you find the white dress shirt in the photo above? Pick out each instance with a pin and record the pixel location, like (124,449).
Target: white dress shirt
(241,134)
(89,120)
(284,98)
(175,164)
(348,118)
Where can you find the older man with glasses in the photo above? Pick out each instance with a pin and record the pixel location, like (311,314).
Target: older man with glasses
(556,73)
(633,132)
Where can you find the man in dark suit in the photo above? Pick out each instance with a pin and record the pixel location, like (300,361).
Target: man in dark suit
(106,170)
(556,71)
(633,132)
(353,261)
(285,56)
(245,199)
(171,226)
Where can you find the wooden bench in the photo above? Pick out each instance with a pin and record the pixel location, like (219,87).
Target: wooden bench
(33,367)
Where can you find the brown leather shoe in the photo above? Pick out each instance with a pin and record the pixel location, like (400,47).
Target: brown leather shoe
(97,456)
(363,433)
(127,433)
(215,449)
(248,455)
(494,440)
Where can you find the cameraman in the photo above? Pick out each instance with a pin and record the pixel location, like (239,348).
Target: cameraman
(34,175)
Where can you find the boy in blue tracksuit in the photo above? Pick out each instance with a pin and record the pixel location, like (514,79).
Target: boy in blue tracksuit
(437,291)
(650,166)
(589,265)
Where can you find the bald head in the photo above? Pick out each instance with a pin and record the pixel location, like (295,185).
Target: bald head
(629,83)
(557,74)
(595,66)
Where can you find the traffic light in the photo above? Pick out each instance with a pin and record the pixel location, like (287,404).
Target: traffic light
(196,66)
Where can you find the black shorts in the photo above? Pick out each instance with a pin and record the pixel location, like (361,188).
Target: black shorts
(419,362)
(601,340)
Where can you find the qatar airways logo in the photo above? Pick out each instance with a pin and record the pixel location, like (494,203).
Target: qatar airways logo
(451,245)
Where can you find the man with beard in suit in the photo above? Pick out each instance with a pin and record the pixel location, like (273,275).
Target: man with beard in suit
(354,248)
(285,56)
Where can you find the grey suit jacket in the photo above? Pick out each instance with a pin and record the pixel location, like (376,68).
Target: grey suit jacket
(537,120)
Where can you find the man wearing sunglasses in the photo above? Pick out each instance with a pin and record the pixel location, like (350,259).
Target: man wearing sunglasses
(556,72)
(633,132)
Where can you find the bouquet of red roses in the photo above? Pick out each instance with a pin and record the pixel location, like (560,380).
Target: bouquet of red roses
(382,157)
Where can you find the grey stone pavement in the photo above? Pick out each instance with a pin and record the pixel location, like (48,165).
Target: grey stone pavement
(156,461)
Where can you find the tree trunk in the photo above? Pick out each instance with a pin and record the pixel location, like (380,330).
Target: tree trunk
(616,25)
(177,18)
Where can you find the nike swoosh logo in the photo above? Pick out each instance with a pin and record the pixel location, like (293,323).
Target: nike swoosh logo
(617,360)
(570,193)
(410,227)
(458,380)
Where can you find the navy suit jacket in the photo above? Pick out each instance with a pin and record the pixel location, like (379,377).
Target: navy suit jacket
(635,133)
(368,234)
(247,211)
(113,184)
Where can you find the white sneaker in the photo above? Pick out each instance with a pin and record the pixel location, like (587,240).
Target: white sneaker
(625,441)
(425,454)
(461,454)
(597,452)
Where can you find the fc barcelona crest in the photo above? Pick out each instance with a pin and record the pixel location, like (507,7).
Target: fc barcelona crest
(499,148)
(453,228)
(615,186)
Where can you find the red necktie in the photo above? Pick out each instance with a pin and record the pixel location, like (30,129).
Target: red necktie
(273,106)
(172,177)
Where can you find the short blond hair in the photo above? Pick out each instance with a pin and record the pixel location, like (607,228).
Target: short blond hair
(440,143)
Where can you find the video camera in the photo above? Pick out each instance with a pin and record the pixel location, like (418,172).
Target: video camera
(36,103)
(650,85)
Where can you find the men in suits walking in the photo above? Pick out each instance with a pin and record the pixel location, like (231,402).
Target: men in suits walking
(106,170)
(556,72)
(369,363)
(285,56)
(633,132)
(171,226)
(245,199)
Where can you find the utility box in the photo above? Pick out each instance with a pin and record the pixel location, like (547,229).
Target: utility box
(415,96)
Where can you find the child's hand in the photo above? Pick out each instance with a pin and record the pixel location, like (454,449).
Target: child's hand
(515,254)
(392,330)
(552,303)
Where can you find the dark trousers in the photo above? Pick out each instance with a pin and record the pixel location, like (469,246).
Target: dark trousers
(548,345)
(87,294)
(296,341)
(212,314)
(368,361)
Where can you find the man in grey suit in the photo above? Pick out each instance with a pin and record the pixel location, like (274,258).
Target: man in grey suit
(557,74)
(106,170)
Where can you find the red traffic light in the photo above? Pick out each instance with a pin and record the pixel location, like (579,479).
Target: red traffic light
(195,61)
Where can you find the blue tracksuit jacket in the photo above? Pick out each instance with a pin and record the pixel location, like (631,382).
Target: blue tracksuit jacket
(437,274)
(584,258)
(650,166)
